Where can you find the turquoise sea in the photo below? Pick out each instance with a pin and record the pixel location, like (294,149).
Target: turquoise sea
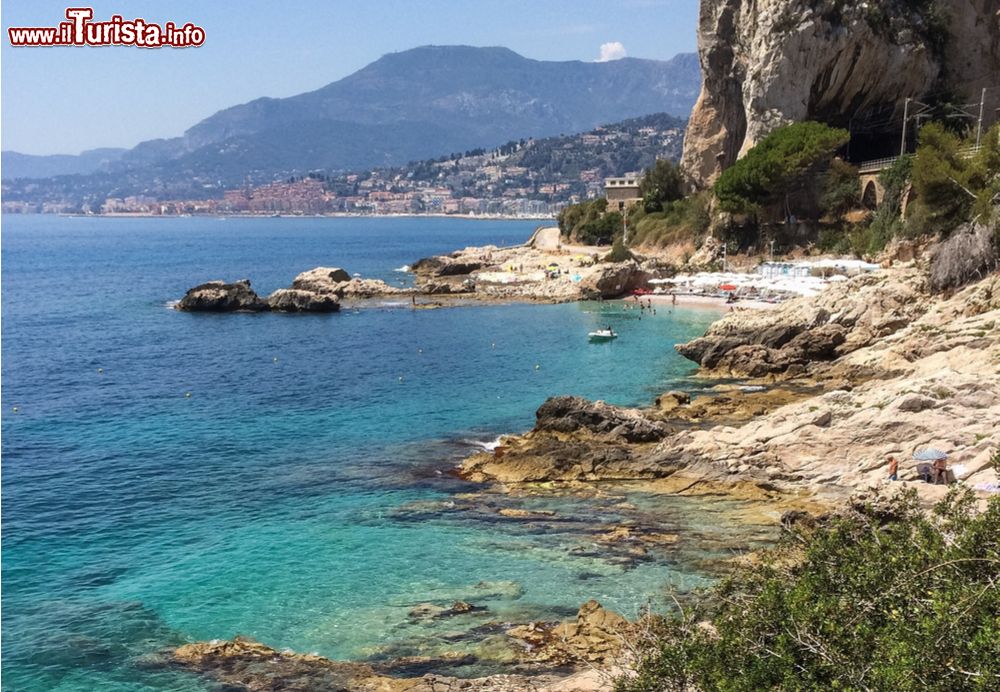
(173,477)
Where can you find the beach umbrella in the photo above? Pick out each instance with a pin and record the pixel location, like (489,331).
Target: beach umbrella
(929,454)
(727,287)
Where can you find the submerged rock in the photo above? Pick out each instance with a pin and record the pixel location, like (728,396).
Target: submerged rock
(218,296)
(243,664)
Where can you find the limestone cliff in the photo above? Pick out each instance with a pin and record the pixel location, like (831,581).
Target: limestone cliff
(769,62)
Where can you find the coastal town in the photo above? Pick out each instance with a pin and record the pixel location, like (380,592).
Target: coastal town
(527,178)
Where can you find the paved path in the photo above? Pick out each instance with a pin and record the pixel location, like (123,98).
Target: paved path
(549,240)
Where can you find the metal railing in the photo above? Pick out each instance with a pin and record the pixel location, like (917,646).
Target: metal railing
(876,165)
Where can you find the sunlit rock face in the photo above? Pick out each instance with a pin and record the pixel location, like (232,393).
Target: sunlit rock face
(766,63)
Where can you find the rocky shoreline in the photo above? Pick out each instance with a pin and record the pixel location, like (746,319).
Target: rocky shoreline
(807,400)
(532,272)
(874,367)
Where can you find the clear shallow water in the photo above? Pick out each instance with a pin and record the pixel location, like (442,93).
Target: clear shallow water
(299,494)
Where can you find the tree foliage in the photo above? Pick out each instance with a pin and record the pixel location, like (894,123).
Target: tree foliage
(590,222)
(661,183)
(573,217)
(683,220)
(883,597)
(766,171)
(841,192)
(952,184)
(940,179)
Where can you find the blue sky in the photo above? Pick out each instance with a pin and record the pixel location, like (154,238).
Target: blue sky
(64,100)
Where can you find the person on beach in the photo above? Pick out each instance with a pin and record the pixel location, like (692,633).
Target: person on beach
(893,468)
(673,299)
(940,472)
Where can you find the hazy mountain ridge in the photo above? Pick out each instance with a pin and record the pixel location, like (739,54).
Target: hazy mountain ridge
(17,165)
(406,106)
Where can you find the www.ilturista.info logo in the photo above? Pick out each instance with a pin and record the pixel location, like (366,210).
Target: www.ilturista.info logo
(81,31)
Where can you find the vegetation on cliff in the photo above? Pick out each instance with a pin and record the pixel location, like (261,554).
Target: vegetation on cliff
(884,596)
(951,185)
(769,170)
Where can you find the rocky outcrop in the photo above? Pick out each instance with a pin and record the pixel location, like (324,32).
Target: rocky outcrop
(842,319)
(967,254)
(435,285)
(612,280)
(938,385)
(446,266)
(243,664)
(297,300)
(337,282)
(596,636)
(570,414)
(531,272)
(317,290)
(772,62)
(218,296)
(320,277)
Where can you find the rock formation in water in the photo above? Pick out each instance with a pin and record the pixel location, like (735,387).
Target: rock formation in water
(296,300)
(317,290)
(243,664)
(218,296)
(767,63)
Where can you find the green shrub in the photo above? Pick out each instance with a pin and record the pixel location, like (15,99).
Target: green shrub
(679,221)
(884,597)
(573,218)
(941,180)
(619,253)
(661,183)
(836,239)
(841,191)
(984,179)
(767,170)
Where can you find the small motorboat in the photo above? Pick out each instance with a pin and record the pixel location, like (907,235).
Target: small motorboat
(602,335)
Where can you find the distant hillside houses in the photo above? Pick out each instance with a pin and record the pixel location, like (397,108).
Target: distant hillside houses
(528,177)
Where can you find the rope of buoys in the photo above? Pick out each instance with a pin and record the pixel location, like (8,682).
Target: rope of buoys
(187,395)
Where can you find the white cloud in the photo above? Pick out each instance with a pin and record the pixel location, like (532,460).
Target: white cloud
(613,50)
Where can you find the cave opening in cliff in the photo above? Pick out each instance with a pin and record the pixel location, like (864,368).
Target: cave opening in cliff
(875,132)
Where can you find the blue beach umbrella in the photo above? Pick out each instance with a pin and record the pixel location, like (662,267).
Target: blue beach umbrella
(929,454)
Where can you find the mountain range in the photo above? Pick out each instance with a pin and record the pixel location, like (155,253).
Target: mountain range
(406,106)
